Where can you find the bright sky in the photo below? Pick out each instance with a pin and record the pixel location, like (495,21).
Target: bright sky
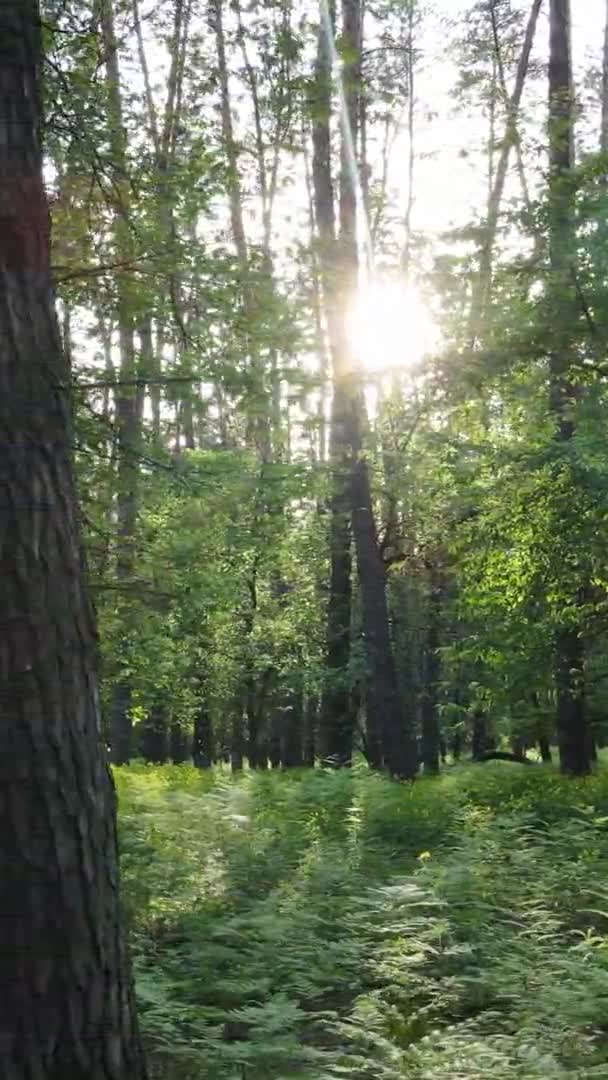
(448,185)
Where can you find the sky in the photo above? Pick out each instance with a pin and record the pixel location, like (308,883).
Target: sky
(450,186)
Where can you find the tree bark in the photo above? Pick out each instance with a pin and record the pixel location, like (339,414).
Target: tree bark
(563,302)
(153,736)
(178,743)
(545,750)
(337,719)
(604,127)
(311,712)
(430,719)
(483,741)
(127,414)
(66,1006)
(203,742)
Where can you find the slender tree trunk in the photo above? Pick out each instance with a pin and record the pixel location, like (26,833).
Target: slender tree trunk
(259,428)
(293,734)
(337,719)
(127,416)
(545,750)
(237,739)
(604,128)
(154,736)
(483,282)
(203,742)
(569,645)
(411,131)
(483,741)
(390,740)
(275,737)
(429,715)
(178,743)
(311,715)
(66,1007)
(151,368)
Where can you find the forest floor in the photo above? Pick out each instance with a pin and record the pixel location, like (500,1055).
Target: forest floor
(322,925)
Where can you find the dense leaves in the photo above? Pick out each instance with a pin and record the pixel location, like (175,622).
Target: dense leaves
(324,925)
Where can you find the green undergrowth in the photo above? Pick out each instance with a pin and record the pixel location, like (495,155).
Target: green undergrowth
(323,925)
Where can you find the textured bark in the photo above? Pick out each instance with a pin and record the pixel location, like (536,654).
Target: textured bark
(569,651)
(65,1000)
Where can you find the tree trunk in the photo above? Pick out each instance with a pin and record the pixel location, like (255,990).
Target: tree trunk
(390,740)
(569,646)
(275,737)
(153,736)
(127,414)
(237,741)
(336,717)
(604,129)
(203,743)
(293,716)
(483,741)
(545,750)
(311,712)
(178,743)
(429,715)
(483,281)
(66,1006)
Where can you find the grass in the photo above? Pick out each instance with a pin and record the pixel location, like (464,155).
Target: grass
(323,925)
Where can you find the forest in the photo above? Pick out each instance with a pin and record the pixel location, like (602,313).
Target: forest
(303,560)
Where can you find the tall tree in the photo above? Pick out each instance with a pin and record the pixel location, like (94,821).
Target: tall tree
(389,739)
(574,742)
(128,401)
(66,1008)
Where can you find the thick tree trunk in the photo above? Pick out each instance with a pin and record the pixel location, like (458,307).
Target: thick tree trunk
(569,646)
(66,1007)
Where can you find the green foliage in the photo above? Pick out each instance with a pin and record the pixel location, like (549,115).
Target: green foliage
(328,925)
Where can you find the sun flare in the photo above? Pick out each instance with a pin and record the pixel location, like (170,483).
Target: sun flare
(390,327)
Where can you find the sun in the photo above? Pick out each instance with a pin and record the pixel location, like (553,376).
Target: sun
(390,327)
